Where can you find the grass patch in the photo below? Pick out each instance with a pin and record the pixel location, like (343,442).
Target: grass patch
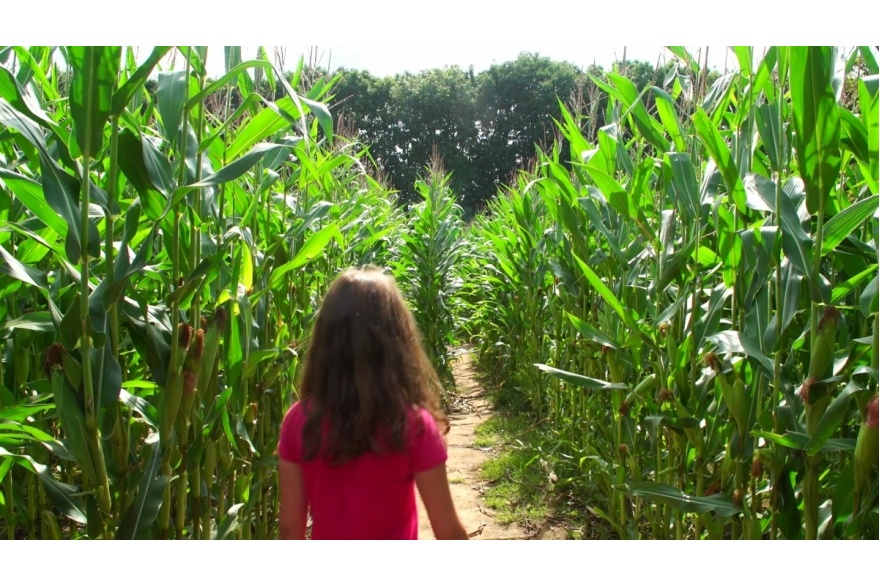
(456,480)
(528,479)
(518,491)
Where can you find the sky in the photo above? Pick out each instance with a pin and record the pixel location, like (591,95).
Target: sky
(389,60)
(386,37)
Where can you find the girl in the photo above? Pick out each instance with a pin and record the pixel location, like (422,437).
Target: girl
(367,428)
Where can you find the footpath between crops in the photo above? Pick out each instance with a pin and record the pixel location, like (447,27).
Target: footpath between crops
(478,470)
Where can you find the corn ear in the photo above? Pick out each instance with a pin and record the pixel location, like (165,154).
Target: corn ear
(822,355)
(866,453)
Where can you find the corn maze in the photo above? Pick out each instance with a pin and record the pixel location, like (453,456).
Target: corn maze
(686,299)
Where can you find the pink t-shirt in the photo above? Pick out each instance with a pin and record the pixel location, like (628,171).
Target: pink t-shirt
(371,497)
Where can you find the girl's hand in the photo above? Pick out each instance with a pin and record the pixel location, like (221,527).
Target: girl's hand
(434,489)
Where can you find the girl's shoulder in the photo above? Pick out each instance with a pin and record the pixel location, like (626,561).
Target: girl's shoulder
(296,414)
(427,443)
(289,441)
(422,422)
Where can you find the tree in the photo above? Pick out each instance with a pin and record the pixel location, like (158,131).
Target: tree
(517,104)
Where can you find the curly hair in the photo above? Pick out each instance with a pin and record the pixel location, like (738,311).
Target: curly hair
(365,369)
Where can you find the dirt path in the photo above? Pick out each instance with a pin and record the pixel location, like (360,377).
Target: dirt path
(465,461)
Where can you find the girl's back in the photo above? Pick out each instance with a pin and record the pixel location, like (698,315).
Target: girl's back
(368,426)
(371,497)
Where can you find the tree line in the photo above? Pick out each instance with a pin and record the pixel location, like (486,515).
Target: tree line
(484,126)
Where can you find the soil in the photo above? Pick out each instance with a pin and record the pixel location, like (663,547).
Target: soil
(471,407)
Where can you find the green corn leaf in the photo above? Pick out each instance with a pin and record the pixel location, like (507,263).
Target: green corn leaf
(73,424)
(845,288)
(246,278)
(145,508)
(158,169)
(140,405)
(12,92)
(30,194)
(234,72)
(229,524)
(720,504)
(240,166)
(590,333)
(831,419)
(717,148)
(607,295)
(799,441)
(12,118)
(681,179)
(869,54)
(107,378)
(60,494)
(731,341)
(18,270)
(36,321)
(304,105)
(767,121)
(631,100)
(846,222)
(669,118)
(171,99)
(868,299)
(59,187)
(571,131)
(312,248)
(795,242)
(95,70)
(854,135)
(133,154)
(277,116)
(816,122)
(124,94)
(580,380)
(744,57)
(868,104)
(686,57)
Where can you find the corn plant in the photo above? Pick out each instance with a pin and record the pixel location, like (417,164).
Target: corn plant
(427,265)
(163,255)
(708,300)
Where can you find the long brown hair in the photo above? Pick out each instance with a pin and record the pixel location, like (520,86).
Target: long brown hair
(364,370)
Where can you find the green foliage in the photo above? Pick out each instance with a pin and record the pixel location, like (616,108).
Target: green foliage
(161,267)
(485,125)
(704,314)
(428,264)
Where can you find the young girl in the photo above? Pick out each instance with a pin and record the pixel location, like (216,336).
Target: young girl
(368,426)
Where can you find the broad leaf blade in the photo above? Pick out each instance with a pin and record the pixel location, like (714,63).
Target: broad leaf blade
(816,121)
(580,380)
(94,77)
(660,492)
(145,508)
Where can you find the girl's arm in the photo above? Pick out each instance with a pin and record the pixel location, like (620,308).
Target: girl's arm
(292,515)
(434,489)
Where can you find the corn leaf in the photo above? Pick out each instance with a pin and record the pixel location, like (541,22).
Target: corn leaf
(607,295)
(145,508)
(91,94)
(717,148)
(171,99)
(719,504)
(579,380)
(844,223)
(124,94)
(816,122)
(831,419)
(731,341)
